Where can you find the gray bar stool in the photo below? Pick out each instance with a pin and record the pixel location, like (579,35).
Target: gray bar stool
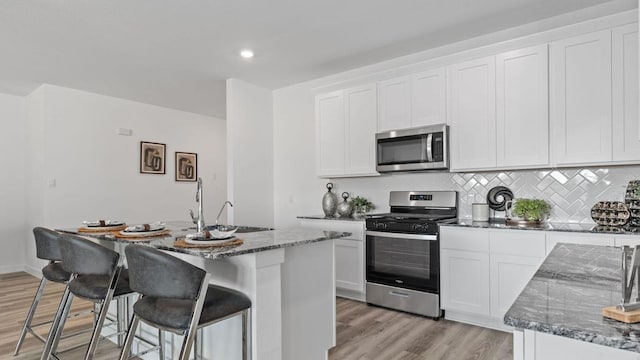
(176,296)
(47,248)
(96,276)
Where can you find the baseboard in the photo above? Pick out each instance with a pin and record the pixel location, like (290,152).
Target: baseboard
(37,272)
(5,269)
(478,320)
(350,294)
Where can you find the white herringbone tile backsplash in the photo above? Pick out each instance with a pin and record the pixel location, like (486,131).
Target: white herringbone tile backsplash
(571,192)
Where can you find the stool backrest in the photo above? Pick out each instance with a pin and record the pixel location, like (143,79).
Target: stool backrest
(156,274)
(84,257)
(47,244)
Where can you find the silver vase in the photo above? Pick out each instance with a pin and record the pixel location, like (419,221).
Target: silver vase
(329,202)
(344,208)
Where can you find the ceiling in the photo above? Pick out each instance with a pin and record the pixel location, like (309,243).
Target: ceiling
(178,53)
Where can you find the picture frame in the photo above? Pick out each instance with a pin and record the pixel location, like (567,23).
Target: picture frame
(186,166)
(152,158)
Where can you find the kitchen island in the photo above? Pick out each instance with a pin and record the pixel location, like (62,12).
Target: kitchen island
(289,276)
(558,315)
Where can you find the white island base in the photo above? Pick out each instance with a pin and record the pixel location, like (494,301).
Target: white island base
(533,345)
(293,305)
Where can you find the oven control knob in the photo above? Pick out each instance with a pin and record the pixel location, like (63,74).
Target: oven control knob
(418,227)
(381,226)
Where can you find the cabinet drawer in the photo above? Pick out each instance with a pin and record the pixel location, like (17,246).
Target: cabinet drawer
(356,228)
(517,242)
(464,239)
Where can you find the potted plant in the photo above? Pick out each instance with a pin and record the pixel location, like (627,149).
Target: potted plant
(361,206)
(531,210)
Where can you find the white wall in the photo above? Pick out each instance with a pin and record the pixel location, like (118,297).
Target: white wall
(298,191)
(72,140)
(12,182)
(250,153)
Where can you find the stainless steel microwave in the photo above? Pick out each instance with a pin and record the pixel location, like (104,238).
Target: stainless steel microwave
(421,148)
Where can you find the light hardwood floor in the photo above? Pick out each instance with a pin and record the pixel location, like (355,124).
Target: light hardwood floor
(363,332)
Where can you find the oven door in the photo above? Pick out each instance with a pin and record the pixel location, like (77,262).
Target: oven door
(409,261)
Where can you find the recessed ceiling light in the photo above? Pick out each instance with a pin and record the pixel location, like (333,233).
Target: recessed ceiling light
(247,54)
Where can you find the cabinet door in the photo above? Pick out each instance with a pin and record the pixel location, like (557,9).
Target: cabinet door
(394,108)
(330,132)
(522,109)
(626,132)
(361,130)
(349,264)
(472,114)
(465,281)
(581,98)
(509,275)
(428,98)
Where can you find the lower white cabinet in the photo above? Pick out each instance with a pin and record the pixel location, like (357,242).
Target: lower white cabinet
(483,271)
(349,255)
(465,281)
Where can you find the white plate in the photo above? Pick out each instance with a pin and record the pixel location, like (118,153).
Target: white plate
(146,233)
(207,242)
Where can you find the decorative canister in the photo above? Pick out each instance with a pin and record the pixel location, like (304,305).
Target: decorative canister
(329,202)
(344,208)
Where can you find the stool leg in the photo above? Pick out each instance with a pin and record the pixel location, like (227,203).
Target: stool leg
(95,336)
(160,344)
(246,325)
(56,325)
(121,320)
(128,341)
(32,311)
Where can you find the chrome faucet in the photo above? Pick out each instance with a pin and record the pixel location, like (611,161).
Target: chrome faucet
(199,221)
(222,209)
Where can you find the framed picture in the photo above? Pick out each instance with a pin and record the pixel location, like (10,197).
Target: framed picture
(186,166)
(152,158)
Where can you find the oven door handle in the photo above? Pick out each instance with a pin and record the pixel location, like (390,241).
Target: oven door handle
(402,236)
(430,148)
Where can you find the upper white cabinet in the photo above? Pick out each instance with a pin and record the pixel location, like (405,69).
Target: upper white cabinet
(412,101)
(472,114)
(345,130)
(394,105)
(522,107)
(429,98)
(581,98)
(626,132)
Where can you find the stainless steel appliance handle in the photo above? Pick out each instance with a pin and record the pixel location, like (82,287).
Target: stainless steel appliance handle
(402,236)
(429,148)
(395,293)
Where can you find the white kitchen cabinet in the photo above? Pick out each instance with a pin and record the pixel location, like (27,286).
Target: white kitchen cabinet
(522,109)
(349,255)
(394,105)
(330,132)
(464,281)
(429,98)
(345,130)
(483,271)
(472,114)
(578,238)
(626,129)
(509,275)
(580,99)
(412,101)
(350,264)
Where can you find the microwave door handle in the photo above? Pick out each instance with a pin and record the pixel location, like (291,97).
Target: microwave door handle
(429,148)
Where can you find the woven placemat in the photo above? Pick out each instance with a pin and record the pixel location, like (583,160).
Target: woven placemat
(101,229)
(141,235)
(181,243)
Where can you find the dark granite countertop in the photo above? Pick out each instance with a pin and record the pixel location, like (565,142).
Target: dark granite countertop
(566,296)
(322,217)
(253,241)
(551,226)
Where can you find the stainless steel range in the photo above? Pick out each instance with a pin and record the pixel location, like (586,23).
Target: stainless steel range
(403,252)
